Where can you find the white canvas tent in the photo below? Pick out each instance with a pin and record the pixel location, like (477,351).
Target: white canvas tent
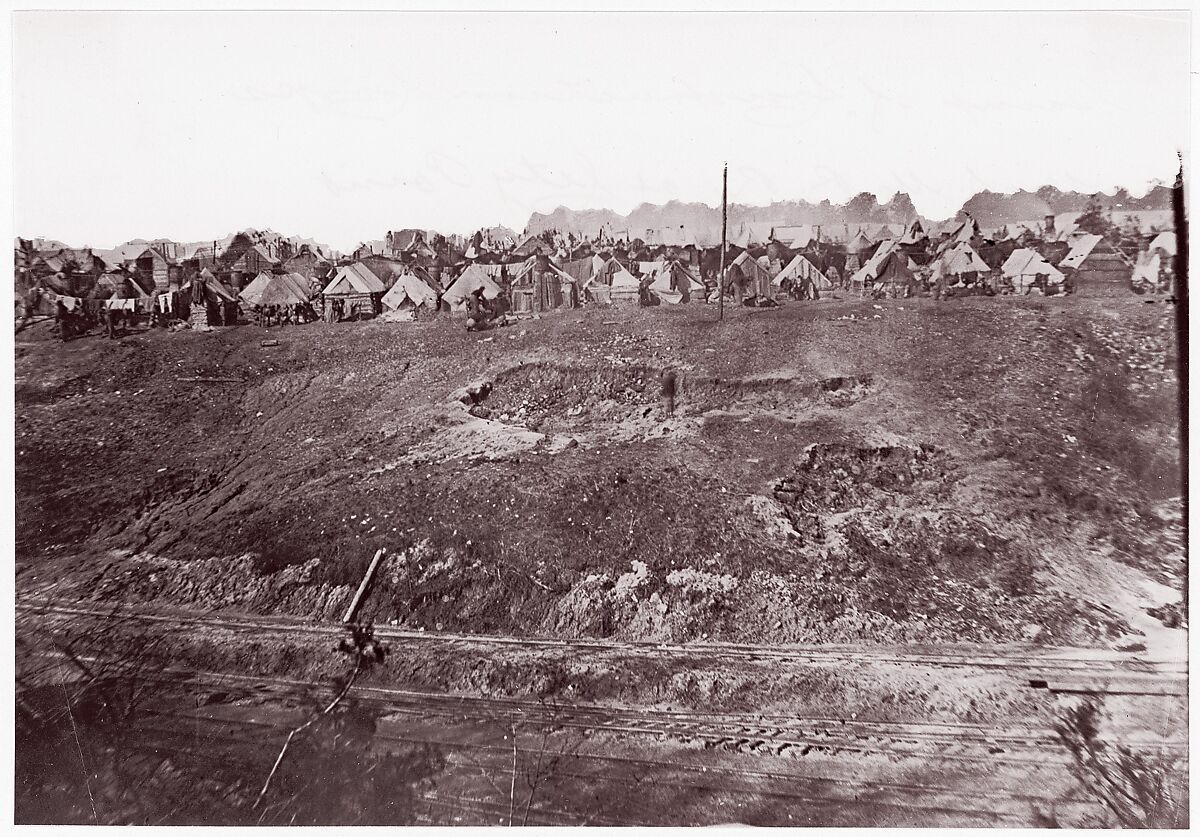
(669,280)
(800,268)
(1147,269)
(252,293)
(410,290)
(758,278)
(960,259)
(354,280)
(1164,241)
(623,285)
(1080,250)
(870,270)
(462,287)
(1023,267)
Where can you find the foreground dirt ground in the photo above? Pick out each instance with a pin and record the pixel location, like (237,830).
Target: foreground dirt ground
(832,588)
(976,470)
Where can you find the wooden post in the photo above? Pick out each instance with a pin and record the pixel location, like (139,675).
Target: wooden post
(362,588)
(724,221)
(1178,206)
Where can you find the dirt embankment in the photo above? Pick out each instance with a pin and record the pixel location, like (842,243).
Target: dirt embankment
(951,472)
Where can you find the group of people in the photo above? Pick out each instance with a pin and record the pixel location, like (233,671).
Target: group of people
(276,315)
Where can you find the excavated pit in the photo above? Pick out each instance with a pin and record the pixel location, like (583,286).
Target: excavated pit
(836,477)
(881,522)
(555,398)
(538,394)
(832,479)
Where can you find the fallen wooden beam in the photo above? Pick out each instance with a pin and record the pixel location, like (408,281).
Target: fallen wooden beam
(209,380)
(362,588)
(1125,684)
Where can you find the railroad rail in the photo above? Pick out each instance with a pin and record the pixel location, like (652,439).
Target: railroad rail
(997,805)
(1024,660)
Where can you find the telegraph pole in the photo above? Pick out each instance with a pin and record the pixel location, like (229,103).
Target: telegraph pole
(1178,205)
(724,219)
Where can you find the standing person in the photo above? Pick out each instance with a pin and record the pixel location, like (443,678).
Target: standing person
(668,391)
(62,318)
(110,320)
(477,311)
(29,305)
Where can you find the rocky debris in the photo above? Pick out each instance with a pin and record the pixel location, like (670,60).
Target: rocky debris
(474,393)
(1172,614)
(833,477)
(843,390)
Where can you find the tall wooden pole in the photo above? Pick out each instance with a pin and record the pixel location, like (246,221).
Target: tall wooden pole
(1178,205)
(724,221)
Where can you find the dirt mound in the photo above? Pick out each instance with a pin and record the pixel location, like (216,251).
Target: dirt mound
(833,478)
(343,439)
(844,390)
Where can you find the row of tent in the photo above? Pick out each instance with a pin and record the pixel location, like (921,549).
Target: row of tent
(890,266)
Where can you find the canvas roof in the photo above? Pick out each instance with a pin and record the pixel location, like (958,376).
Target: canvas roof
(283,289)
(1026,262)
(748,236)
(409,287)
(679,236)
(1080,250)
(800,267)
(794,236)
(742,262)
(664,271)
(962,258)
(470,279)
(893,269)
(253,291)
(858,242)
(1164,241)
(1147,268)
(531,262)
(354,280)
(621,278)
(216,286)
(123,286)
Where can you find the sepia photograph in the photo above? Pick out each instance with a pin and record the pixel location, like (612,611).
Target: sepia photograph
(592,417)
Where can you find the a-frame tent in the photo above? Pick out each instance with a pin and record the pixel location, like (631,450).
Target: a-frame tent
(800,268)
(409,289)
(473,277)
(673,283)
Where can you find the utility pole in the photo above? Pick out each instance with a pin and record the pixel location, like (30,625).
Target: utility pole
(724,220)
(1181,336)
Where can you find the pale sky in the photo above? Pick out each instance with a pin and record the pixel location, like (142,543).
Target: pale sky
(340,126)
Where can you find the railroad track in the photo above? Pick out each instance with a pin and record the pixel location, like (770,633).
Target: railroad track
(778,735)
(1019,661)
(775,735)
(994,805)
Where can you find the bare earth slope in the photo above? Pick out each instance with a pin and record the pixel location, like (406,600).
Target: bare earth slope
(846,471)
